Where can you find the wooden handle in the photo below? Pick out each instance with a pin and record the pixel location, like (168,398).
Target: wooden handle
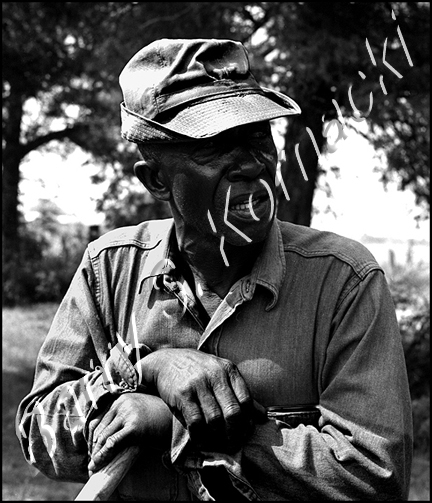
(103,483)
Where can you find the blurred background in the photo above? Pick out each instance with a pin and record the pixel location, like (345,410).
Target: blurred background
(363,144)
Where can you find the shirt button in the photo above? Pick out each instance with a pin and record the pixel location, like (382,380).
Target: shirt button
(123,384)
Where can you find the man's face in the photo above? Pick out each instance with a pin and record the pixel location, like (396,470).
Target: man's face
(229,177)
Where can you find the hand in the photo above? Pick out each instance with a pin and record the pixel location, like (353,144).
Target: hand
(132,418)
(206,393)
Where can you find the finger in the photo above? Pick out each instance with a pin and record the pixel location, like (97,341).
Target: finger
(105,413)
(237,407)
(193,416)
(240,389)
(94,423)
(210,407)
(108,451)
(228,402)
(229,428)
(211,426)
(104,424)
(100,439)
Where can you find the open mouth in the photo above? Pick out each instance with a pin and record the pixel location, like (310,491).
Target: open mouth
(252,207)
(245,205)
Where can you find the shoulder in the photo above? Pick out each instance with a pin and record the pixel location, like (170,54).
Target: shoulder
(146,235)
(308,243)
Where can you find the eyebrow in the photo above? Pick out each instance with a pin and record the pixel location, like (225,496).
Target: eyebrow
(225,136)
(200,144)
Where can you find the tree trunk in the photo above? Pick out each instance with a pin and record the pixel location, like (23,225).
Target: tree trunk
(298,209)
(12,155)
(14,151)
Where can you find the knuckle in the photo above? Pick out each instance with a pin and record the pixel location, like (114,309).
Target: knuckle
(246,401)
(193,420)
(214,415)
(232,411)
(186,391)
(228,365)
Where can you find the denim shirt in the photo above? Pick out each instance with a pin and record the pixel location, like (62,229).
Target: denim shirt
(312,329)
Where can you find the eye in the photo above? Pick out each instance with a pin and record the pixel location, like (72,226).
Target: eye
(205,151)
(259,134)
(209,146)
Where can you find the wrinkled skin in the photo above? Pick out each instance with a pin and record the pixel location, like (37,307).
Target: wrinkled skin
(132,418)
(199,176)
(206,393)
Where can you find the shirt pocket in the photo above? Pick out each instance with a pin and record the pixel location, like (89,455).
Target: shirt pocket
(293,416)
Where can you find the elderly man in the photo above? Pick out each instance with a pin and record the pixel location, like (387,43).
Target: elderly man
(248,358)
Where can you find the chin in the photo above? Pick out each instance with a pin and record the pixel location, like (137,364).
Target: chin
(256,236)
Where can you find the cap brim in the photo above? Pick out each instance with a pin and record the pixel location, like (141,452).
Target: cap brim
(211,117)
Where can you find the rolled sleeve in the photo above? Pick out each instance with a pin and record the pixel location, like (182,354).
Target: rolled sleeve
(78,370)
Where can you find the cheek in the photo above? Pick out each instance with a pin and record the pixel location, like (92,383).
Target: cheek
(190,196)
(270,157)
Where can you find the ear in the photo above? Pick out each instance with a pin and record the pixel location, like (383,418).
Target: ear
(151,176)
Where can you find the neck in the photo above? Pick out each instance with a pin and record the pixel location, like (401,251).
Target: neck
(207,263)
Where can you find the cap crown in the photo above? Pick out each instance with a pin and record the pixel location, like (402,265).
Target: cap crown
(173,72)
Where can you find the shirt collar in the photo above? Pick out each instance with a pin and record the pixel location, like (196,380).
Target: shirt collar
(159,258)
(268,271)
(270,267)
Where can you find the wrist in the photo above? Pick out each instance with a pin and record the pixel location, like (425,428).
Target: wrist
(145,368)
(161,419)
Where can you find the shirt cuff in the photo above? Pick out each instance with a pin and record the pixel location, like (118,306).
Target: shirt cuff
(120,374)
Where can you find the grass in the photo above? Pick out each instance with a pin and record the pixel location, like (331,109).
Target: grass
(24,329)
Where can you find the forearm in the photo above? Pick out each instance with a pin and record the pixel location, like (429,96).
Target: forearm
(160,417)
(362,447)
(332,462)
(51,427)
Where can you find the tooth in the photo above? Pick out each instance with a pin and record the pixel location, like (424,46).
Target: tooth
(244,206)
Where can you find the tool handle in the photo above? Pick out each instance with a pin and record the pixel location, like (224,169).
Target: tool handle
(103,483)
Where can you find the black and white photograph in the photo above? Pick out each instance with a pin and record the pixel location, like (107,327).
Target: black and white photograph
(216,251)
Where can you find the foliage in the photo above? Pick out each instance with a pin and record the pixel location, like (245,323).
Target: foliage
(66,58)
(314,53)
(409,287)
(133,206)
(288,54)
(51,253)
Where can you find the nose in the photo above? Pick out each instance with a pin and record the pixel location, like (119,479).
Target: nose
(245,167)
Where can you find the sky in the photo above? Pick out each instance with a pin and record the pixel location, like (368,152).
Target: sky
(360,204)
(66,182)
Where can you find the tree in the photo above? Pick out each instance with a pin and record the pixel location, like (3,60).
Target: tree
(289,56)
(314,52)
(46,50)
(67,56)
